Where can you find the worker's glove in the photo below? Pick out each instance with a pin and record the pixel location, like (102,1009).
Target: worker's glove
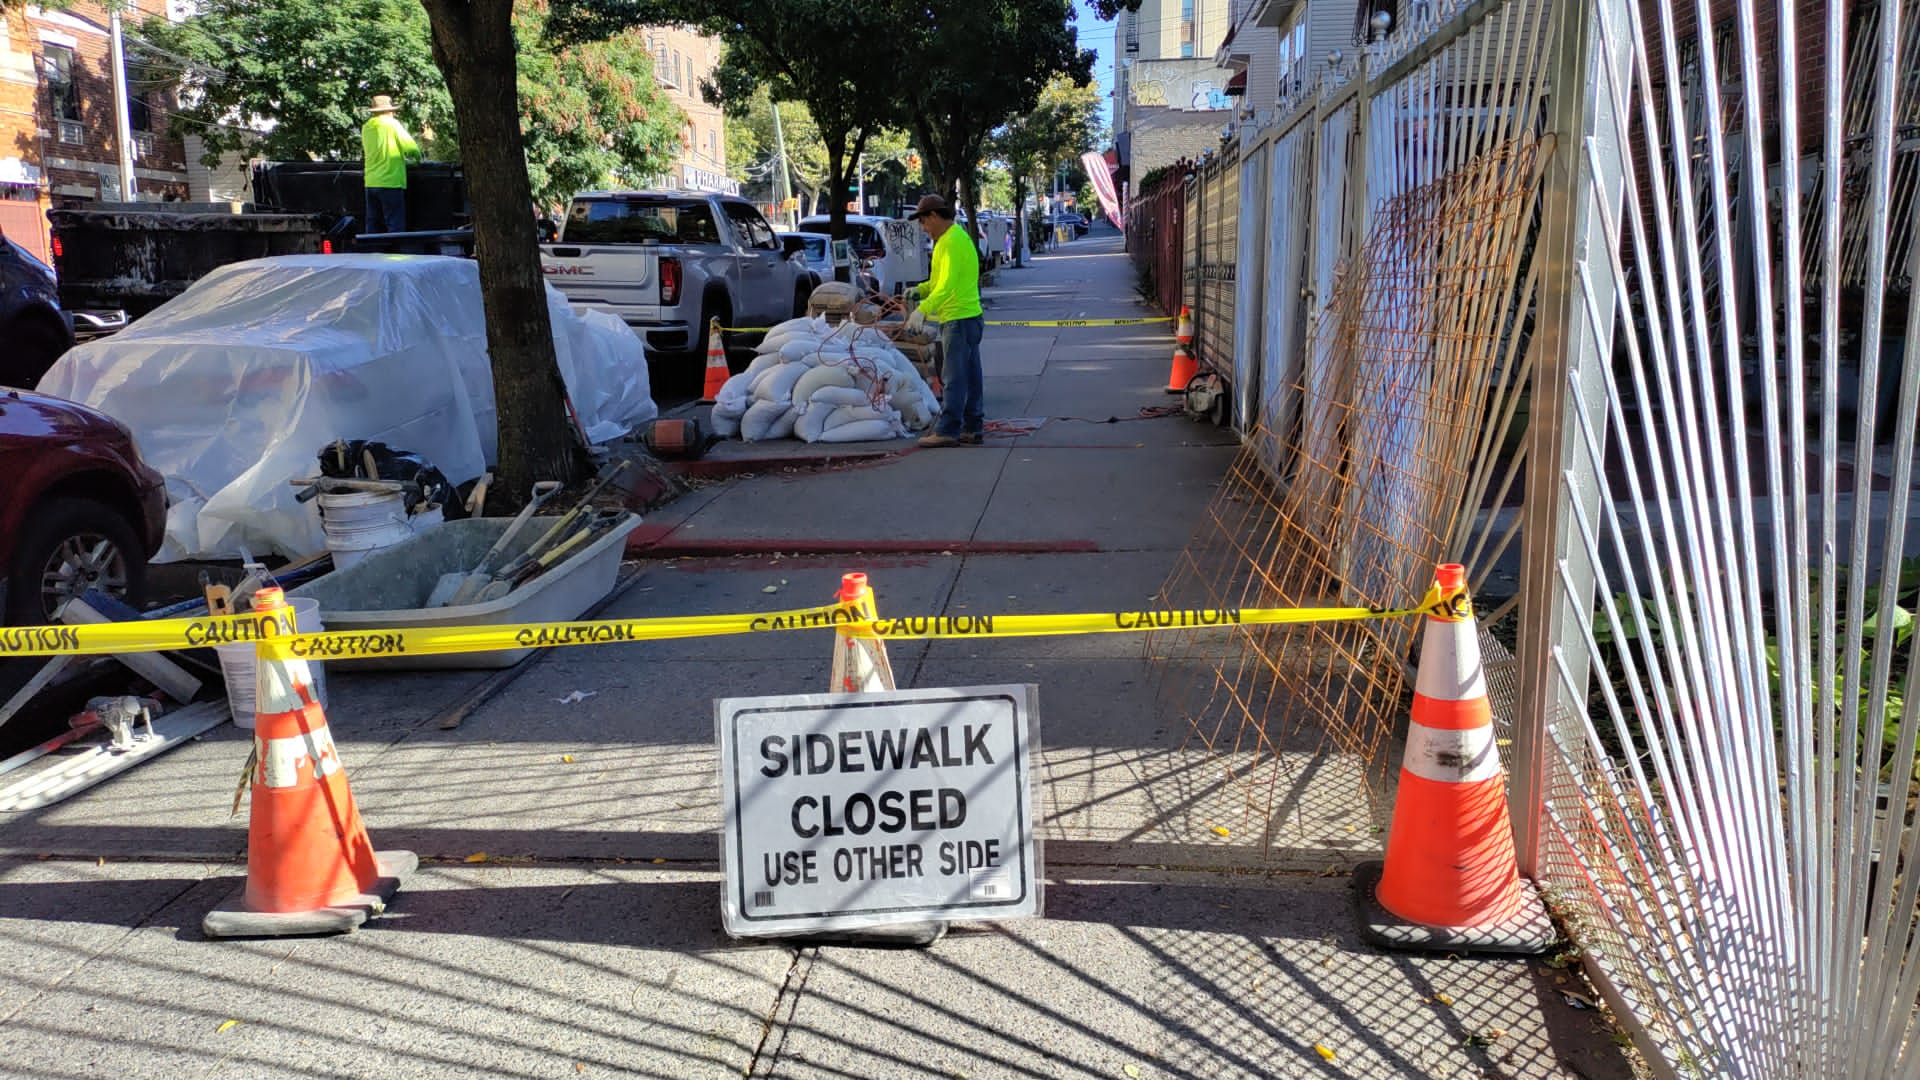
(916,320)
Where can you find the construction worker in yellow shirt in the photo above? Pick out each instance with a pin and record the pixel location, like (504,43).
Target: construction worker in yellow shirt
(388,149)
(951,297)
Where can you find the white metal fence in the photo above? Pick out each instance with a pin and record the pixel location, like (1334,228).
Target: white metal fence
(1612,297)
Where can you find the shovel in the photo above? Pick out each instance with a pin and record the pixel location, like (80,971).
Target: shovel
(459,588)
(524,570)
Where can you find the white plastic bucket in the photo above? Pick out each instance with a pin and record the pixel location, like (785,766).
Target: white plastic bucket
(236,663)
(359,523)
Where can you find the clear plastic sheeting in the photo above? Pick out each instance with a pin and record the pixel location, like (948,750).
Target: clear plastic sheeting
(233,386)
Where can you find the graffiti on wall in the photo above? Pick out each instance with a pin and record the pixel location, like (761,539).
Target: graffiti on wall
(1187,86)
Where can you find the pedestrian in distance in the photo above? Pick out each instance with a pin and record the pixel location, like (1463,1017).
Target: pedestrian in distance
(951,297)
(388,150)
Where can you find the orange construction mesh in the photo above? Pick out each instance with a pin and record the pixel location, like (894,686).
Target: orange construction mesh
(1390,441)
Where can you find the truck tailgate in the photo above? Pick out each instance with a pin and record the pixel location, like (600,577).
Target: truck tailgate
(620,279)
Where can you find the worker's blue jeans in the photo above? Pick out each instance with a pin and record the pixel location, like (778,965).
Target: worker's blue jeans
(386,210)
(963,397)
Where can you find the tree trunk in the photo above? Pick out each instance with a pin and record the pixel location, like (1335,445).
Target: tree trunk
(969,201)
(473,45)
(836,195)
(1020,222)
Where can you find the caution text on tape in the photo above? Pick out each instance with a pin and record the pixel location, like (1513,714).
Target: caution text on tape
(272,631)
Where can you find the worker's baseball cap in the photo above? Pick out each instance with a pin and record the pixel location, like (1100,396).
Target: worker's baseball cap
(932,204)
(382,104)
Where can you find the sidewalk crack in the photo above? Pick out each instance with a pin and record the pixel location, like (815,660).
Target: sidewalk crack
(766,1057)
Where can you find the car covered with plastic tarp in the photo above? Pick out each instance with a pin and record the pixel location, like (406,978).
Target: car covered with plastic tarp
(232,387)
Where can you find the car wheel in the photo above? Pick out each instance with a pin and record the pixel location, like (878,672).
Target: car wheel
(68,547)
(38,341)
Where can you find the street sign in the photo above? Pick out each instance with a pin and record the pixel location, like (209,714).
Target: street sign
(846,811)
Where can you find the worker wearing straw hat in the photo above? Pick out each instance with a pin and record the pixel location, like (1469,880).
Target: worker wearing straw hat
(388,149)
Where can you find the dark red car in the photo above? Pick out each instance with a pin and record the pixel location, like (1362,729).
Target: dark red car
(79,510)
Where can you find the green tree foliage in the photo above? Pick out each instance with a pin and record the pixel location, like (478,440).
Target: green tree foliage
(751,143)
(306,69)
(978,64)
(592,114)
(1063,124)
(837,57)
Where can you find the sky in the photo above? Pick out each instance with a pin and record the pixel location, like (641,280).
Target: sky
(1097,34)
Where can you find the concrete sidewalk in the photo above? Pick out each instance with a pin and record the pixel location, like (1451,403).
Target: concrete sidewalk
(566,922)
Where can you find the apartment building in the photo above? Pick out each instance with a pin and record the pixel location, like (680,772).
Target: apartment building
(59,143)
(1171,98)
(682,60)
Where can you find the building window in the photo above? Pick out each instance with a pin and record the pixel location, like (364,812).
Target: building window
(1186,10)
(62,92)
(140,110)
(1186,50)
(1133,31)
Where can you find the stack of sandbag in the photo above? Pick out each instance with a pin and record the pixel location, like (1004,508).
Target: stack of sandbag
(825,383)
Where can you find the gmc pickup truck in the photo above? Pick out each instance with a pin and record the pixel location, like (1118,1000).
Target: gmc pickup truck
(667,262)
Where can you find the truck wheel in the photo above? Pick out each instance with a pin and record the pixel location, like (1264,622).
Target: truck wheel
(70,546)
(38,342)
(801,295)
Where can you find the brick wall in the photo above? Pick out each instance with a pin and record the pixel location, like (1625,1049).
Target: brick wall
(1164,136)
(79,161)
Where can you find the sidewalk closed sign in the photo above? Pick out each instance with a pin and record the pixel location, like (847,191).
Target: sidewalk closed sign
(855,810)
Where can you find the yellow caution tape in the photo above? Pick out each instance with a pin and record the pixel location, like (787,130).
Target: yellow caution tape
(1080,322)
(1440,604)
(1013,322)
(271,631)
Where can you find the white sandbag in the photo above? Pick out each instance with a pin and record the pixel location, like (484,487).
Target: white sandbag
(767,420)
(761,363)
(726,427)
(800,348)
(854,414)
(835,396)
(812,422)
(820,377)
(734,396)
(862,431)
(777,385)
(915,417)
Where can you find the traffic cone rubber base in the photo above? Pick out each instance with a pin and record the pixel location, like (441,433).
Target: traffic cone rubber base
(1527,932)
(233,920)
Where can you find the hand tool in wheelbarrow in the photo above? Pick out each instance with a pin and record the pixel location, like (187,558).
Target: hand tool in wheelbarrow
(588,530)
(462,587)
(559,529)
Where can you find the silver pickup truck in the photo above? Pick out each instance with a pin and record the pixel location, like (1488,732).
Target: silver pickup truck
(665,262)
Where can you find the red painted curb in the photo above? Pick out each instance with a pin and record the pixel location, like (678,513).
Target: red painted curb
(721,468)
(652,542)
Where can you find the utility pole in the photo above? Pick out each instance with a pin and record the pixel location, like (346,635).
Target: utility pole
(860,171)
(122,124)
(781,188)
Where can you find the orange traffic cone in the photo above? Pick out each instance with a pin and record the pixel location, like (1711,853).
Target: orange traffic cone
(1183,330)
(1451,881)
(1184,369)
(310,867)
(860,664)
(717,373)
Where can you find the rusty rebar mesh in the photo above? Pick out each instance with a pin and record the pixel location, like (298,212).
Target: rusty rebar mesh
(1372,482)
